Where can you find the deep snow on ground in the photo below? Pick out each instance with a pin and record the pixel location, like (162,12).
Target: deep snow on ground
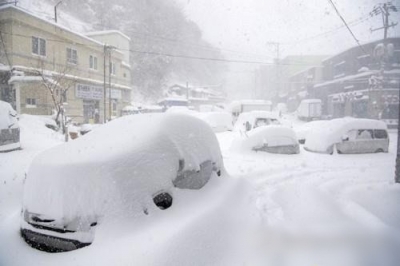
(35,137)
(316,209)
(322,209)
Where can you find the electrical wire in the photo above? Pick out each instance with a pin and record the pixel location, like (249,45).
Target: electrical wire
(347,26)
(223,60)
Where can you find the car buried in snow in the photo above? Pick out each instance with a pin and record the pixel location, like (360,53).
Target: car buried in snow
(251,120)
(349,135)
(271,139)
(9,128)
(305,129)
(116,172)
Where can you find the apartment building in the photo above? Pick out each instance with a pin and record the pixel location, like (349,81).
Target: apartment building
(362,81)
(88,73)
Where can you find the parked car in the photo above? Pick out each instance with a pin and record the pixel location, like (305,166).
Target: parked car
(218,121)
(251,120)
(9,128)
(72,189)
(272,139)
(349,135)
(305,129)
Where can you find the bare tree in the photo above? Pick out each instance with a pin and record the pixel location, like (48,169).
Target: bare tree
(57,84)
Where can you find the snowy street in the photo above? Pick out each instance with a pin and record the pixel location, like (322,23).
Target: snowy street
(340,202)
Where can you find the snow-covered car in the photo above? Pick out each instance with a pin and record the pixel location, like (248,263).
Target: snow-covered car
(349,135)
(218,121)
(272,139)
(118,173)
(303,130)
(9,128)
(250,120)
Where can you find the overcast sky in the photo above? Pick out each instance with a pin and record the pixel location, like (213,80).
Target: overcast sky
(248,25)
(301,28)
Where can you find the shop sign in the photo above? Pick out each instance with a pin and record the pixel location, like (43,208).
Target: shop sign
(85,91)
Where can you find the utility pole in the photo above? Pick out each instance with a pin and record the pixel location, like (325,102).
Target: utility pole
(104,85)
(384,10)
(107,51)
(109,85)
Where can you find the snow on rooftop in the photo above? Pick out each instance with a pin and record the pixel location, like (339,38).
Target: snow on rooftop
(67,24)
(348,77)
(108,32)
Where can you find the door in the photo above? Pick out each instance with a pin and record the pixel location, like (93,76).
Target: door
(90,111)
(365,141)
(348,143)
(381,139)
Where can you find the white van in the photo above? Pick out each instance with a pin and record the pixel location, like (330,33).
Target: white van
(310,109)
(349,135)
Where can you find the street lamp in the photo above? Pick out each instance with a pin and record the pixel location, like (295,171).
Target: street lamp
(55,10)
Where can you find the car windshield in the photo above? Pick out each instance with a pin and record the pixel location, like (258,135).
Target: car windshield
(199,132)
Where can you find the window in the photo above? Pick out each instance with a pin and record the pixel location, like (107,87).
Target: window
(93,62)
(38,46)
(194,179)
(30,102)
(380,134)
(261,122)
(114,108)
(112,68)
(72,56)
(364,134)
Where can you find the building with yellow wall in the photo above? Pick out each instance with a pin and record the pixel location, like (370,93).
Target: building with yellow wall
(38,56)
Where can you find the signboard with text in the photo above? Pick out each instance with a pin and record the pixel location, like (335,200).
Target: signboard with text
(85,91)
(91,92)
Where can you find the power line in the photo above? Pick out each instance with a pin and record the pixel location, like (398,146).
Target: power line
(347,26)
(334,30)
(164,53)
(195,45)
(155,37)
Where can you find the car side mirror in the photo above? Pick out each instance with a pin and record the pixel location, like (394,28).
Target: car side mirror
(345,138)
(248,126)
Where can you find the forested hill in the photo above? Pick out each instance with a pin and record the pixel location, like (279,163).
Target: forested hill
(163,40)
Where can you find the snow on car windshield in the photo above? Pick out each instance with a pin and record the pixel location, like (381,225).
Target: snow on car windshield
(199,132)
